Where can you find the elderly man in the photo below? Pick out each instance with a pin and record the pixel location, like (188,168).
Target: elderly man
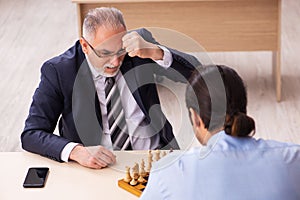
(102,92)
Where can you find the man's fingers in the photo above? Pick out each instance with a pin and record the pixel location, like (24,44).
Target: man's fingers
(100,157)
(133,53)
(96,163)
(126,37)
(105,159)
(126,43)
(130,43)
(129,36)
(137,48)
(129,48)
(107,156)
(94,166)
(133,40)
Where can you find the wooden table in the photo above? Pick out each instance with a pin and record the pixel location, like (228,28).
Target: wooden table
(217,25)
(65,180)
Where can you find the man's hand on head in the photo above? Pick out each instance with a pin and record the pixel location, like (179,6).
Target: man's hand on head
(135,45)
(95,157)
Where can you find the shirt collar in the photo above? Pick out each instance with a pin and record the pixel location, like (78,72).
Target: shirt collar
(205,150)
(214,139)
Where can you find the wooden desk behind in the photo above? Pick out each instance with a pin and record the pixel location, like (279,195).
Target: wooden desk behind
(65,180)
(217,25)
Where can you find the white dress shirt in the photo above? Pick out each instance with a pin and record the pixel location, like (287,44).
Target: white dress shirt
(134,116)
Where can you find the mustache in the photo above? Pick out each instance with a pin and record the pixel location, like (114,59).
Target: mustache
(112,66)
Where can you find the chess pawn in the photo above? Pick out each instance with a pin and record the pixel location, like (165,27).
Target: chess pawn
(149,167)
(150,160)
(135,175)
(150,156)
(135,168)
(127,178)
(142,169)
(135,171)
(157,155)
(133,182)
(134,179)
(141,179)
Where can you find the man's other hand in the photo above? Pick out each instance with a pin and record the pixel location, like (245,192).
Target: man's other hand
(95,157)
(135,45)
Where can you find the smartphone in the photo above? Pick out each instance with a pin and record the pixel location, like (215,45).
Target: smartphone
(36,177)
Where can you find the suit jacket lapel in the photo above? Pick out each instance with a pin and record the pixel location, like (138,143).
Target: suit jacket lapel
(131,75)
(85,107)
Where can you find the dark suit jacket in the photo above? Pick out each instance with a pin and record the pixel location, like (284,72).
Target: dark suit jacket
(66,93)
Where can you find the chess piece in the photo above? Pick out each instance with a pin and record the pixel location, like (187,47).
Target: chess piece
(171,150)
(133,182)
(163,154)
(149,161)
(127,178)
(157,155)
(149,167)
(136,168)
(136,171)
(142,169)
(141,179)
(135,174)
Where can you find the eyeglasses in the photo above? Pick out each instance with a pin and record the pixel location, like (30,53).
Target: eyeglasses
(106,54)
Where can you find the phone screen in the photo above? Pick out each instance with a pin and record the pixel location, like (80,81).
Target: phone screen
(36,177)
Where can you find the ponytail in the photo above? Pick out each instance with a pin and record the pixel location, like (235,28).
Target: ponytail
(239,125)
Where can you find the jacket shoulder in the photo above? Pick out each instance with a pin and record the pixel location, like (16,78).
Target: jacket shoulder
(71,57)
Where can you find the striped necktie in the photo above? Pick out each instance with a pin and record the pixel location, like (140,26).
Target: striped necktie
(116,116)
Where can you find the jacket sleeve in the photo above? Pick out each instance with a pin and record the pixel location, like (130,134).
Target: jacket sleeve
(45,109)
(182,66)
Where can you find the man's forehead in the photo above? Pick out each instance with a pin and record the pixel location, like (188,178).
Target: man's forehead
(106,38)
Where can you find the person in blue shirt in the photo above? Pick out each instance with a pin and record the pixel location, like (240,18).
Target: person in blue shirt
(231,164)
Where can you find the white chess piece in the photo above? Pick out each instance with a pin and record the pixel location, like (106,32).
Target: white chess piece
(136,167)
(157,155)
(142,168)
(127,178)
(149,161)
(133,182)
(141,179)
(135,174)
(150,156)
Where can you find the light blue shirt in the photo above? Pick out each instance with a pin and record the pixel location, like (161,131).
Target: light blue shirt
(228,168)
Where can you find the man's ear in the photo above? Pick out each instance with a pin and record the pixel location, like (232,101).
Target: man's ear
(84,45)
(195,118)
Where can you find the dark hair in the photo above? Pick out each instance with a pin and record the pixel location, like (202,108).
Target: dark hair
(217,93)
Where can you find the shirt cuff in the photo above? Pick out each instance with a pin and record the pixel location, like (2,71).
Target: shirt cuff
(167,59)
(65,154)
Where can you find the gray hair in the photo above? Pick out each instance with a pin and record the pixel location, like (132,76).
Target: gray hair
(111,18)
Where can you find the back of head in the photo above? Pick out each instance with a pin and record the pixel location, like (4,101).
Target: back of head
(110,18)
(207,97)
